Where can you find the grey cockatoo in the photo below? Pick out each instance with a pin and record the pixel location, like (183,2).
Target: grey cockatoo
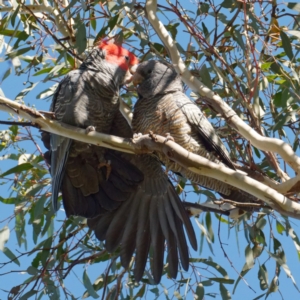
(163,108)
(133,206)
(89,96)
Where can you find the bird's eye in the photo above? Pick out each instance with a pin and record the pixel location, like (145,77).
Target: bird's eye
(149,71)
(126,57)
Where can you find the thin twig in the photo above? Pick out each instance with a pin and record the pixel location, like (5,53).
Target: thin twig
(230,262)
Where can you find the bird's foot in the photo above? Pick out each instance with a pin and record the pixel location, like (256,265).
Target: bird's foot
(90,129)
(169,137)
(106,164)
(137,135)
(152,135)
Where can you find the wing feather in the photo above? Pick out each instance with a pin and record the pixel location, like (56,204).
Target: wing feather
(203,127)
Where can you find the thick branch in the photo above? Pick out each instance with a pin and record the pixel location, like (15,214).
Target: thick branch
(263,143)
(202,166)
(175,152)
(46,124)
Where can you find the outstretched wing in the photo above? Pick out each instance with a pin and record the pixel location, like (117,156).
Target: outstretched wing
(153,215)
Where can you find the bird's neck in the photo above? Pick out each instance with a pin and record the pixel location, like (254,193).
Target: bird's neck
(94,61)
(106,73)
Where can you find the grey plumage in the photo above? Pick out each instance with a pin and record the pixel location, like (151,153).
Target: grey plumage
(152,215)
(163,108)
(135,206)
(89,97)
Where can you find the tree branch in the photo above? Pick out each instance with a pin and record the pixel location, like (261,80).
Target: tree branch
(263,143)
(202,166)
(46,124)
(147,144)
(46,8)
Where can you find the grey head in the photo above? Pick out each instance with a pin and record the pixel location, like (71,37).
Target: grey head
(155,77)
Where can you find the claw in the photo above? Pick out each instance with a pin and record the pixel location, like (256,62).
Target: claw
(152,135)
(106,164)
(137,135)
(90,129)
(169,137)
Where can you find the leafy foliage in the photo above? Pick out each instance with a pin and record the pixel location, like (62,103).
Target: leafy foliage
(247,52)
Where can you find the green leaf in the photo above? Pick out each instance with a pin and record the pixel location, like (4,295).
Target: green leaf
(93,21)
(8,200)
(256,151)
(28,295)
(281,120)
(87,284)
(205,233)
(45,70)
(141,292)
(14,129)
(11,256)
(295,33)
(208,262)
(266,66)
(224,292)
(32,270)
(20,225)
(257,250)
(277,99)
(280,228)
(25,91)
(155,291)
(18,169)
(273,286)
(222,280)
(39,206)
(203,8)
(293,5)
(208,222)
(6,74)
(49,223)
(286,44)
(200,291)
(263,277)
(4,236)
(10,33)
(18,52)
(249,257)
(205,76)
(14,15)
(260,296)
(172,28)
(177,295)
(261,223)
(228,4)
(45,244)
(284,266)
(112,22)
(207,283)
(239,39)
(101,34)
(80,36)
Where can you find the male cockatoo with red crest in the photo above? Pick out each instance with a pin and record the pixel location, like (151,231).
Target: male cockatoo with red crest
(134,206)
(87,97)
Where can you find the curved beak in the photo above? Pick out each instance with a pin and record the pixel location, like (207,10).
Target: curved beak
(137,79)
(133,68)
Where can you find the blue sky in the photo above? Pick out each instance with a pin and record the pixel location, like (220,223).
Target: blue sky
(228,236)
